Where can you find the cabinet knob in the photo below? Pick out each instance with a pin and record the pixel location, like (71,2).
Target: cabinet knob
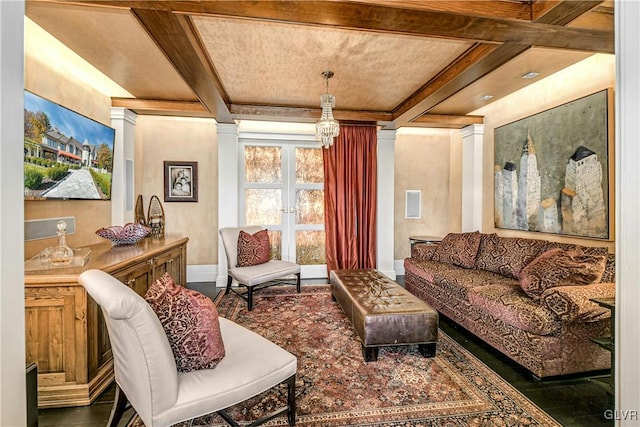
(169,261)
(130,282)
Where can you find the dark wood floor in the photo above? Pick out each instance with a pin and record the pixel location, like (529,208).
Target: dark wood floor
(574,401)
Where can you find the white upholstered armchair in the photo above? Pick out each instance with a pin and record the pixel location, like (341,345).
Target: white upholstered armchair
(145,368)
(253,277)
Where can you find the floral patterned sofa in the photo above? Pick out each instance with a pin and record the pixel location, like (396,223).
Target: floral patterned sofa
(528,298)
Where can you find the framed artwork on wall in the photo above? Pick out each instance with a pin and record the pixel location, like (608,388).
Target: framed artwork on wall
(180,181)
(553,170)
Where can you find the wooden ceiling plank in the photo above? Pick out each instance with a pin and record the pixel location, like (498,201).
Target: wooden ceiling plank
(449,119)
(169,33)
(159,105)
(488,8)
(284,113)
(556,12)
(369,17)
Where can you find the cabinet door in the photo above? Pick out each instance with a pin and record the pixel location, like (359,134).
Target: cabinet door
(55,338)
(138,276)
(171,262)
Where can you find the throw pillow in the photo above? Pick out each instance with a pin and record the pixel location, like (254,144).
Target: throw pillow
(458,248)
(507,255)
(557,267)
(191,323)
(253,249)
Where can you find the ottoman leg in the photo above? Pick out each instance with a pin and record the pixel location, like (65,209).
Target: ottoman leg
(370,354)
(427,350)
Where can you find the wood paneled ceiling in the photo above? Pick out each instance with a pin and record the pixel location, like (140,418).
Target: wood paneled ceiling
(399,63)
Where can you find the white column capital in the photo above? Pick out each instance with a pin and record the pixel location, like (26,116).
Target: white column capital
(227,129)
(121,113)
(386,136)
(470,130)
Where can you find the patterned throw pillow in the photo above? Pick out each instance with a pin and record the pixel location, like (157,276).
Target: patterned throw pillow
(557,267)
(253,249)
(191,323)
(458,248)
(507,255)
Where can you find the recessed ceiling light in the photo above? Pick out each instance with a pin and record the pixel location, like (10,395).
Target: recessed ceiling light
(530,75)
(486,97)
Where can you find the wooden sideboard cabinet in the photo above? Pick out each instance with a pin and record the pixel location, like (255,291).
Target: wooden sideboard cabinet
(65,332)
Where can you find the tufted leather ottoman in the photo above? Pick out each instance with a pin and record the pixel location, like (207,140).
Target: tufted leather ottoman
(384,313)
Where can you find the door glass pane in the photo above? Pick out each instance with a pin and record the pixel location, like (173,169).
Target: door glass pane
(309,165)
(310,247)
(309,206)
(275,239)
(262,206)
(263,164)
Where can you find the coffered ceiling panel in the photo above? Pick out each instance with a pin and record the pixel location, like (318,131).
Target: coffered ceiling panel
(111,40)
(281,64)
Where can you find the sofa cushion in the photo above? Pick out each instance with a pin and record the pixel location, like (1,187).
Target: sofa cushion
(423,251)
(459,249)
(572,303)
(511,305)
(191,323)
(557,267)
(253,249)
(507,255)
(609,275)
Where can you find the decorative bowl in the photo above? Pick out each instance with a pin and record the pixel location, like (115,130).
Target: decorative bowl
(129,234)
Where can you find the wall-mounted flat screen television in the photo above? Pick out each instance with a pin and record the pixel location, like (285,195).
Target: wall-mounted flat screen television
(66,155)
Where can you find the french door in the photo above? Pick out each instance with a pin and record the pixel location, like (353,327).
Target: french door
(282,189)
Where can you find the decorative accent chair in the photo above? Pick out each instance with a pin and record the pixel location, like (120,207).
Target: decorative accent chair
(253,277)
(145,368)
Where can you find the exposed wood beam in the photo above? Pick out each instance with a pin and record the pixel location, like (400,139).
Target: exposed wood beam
(283,113)
(557,12)
(158,105)
(369,17)
(462,73)
(174,36)
(447,120)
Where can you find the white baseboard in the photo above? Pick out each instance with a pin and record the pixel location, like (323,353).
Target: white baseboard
(202,273)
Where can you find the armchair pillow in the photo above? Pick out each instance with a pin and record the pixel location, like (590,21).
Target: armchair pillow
(557,267)
(191,323)
(253,249)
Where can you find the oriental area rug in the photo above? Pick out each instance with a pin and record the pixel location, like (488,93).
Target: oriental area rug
(335,387)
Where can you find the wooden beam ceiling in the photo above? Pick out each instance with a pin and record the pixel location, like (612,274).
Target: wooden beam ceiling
(513,28)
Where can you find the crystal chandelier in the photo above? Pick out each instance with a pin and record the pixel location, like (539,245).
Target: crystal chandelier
(327,127)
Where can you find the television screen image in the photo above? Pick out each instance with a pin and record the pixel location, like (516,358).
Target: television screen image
(66,155)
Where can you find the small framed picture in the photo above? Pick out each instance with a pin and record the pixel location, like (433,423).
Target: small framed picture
(180,181)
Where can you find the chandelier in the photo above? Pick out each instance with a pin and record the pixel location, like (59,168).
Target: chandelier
(327,127)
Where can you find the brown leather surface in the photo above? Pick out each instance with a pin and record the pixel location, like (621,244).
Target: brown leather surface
(381,311)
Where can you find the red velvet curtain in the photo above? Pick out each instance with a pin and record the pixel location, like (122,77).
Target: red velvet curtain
(350,190)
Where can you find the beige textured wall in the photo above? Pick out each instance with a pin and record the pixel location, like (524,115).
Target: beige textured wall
(428,160)
(58,82)
(584,78)
(181,139)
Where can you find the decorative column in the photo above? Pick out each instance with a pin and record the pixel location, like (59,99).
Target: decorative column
(385,208)
(13,401)
(227,189)
(122,185)
(627,227)
(472,146)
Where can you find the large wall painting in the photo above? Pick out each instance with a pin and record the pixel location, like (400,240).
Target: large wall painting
(552,170)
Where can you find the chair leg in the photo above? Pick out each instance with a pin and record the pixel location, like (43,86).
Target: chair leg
(249,298)
(298,282)
(291,400)
(118,408)
(229,281)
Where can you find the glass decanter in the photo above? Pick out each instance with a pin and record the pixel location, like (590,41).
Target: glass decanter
(61,254)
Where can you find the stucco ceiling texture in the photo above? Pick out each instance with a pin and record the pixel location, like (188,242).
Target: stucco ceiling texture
(265,63)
